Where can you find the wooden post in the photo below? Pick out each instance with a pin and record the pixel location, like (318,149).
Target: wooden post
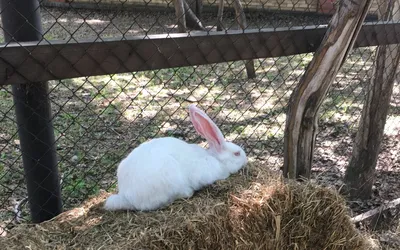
(196,6)
(360,174)
(180,15)
(192,20)
(220,25)
(241,19)
(307,97)
(186,17)
(21,23)
(199,8)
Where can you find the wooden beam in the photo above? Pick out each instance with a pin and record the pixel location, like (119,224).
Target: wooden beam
(33,62)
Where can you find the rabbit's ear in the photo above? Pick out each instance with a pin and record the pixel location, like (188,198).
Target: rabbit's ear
(206,128)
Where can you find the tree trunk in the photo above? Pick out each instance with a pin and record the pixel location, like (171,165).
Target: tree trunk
(196,6)
(220,25)
(241,19)
(186,18)
(192,20)
(306,99)
(180,15)
(360,174)
(199,8)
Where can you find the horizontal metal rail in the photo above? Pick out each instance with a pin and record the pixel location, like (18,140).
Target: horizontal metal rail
(54,60)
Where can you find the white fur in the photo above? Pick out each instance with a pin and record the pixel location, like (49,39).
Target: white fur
(159,171)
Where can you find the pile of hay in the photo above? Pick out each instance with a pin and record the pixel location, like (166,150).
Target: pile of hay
(251,210)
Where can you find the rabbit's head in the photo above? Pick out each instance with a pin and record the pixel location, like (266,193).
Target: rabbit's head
(231,156)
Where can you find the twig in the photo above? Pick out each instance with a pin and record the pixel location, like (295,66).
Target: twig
(17,209)
(191,100)
(378,210)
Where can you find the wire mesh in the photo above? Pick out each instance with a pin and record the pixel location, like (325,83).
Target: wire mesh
(97,120)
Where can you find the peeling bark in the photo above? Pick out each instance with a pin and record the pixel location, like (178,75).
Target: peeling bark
(306,99)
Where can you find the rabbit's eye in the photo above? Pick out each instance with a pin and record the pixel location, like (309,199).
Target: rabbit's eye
(237,153)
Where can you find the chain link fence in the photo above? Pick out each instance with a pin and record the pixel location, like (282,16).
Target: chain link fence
(98,119)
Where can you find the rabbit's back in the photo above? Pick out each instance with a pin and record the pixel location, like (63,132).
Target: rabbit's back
(162,170)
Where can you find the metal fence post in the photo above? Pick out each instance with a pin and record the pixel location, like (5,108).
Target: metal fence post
(21,23)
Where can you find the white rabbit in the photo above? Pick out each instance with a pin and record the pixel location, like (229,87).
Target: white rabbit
(159,171)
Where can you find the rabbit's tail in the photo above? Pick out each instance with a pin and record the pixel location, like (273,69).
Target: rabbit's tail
(116,202)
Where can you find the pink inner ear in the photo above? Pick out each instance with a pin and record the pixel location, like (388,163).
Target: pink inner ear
(197,125)
(206,128)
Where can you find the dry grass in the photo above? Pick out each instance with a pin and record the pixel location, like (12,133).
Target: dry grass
(251,210)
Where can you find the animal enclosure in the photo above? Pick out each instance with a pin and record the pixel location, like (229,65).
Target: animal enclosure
(119,77)
(316,6)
